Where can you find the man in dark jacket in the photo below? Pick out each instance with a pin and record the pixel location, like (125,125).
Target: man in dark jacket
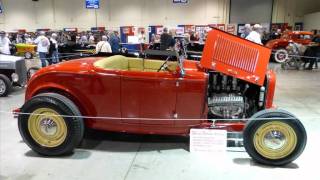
(115,42)
(166,40)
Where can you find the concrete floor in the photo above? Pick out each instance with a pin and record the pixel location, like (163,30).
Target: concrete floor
(120,156)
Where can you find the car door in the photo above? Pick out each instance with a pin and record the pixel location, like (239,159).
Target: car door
(148,97)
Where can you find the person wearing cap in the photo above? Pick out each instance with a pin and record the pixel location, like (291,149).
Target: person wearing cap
(255,35)
(103,46)
(43,45)
(53,50)
(4,43)
(246,30)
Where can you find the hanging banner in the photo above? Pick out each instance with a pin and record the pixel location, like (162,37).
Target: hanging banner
(92,4)
(180,1)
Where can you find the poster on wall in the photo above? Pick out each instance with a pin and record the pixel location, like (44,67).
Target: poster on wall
(221,27)
(92,4)
(240,29)
(179,30)
(159,30)
(231,28)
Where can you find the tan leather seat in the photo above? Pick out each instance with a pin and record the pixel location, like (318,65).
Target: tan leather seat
(119,62)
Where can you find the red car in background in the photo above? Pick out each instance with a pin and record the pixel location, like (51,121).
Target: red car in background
(279,45)
(230,88)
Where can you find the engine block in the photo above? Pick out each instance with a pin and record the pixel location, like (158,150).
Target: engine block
(227,106)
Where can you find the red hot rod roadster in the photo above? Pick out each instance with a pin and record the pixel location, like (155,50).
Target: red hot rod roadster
(229,88)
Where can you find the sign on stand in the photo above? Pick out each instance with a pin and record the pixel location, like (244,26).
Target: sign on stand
(208,140)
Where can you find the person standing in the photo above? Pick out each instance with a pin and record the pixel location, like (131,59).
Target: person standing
(115,42)
(103,46)
(43,44)
(4,43)
(165,40)
(54,48)
(255,35)
(246,31)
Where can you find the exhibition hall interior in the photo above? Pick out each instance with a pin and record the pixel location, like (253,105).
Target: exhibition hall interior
(159,89)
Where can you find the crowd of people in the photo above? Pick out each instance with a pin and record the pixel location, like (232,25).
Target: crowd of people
(48,43)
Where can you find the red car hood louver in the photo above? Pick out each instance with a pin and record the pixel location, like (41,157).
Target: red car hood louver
(236,57)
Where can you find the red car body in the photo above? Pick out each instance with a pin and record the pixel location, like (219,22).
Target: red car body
(300,37)
(156,102)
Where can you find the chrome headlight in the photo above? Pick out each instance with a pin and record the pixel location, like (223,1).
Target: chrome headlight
(15,77)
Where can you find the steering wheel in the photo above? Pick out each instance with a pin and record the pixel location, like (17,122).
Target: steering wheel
(164,65)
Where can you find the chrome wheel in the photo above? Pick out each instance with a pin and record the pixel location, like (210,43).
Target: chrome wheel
(281,55)
(28,55)
(3,87)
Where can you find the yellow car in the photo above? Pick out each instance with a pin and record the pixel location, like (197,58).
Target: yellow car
(26,50)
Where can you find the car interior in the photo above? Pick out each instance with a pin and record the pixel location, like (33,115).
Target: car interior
(119,62)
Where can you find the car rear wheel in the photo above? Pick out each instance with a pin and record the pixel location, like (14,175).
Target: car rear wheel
(28,55)
(51,124)
(277,140)
(281,55)
(5,85)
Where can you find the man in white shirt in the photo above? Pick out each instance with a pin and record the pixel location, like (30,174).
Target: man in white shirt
(255,35)
(43,45)
(4,43)
(103,46)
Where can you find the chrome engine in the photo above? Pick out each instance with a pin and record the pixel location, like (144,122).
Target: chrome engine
(227,106)
(227,97)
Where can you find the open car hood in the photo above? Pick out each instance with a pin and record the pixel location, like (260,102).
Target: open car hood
(234,56)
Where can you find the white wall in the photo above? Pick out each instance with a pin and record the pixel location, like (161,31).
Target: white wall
(312,21)
(58,14)
(291,11)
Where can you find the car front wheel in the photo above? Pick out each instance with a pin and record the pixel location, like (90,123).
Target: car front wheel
(51,124)
(5,85)
(274,137)
(28,55)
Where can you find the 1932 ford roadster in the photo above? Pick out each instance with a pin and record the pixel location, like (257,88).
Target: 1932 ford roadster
(230,88)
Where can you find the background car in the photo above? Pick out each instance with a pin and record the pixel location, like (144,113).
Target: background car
(279,45)
(13,72)
(26,50)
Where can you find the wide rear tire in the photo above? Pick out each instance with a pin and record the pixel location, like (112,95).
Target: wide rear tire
(274,141)
(46,131)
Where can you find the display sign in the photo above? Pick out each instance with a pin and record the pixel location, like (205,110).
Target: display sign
(180,1)
(70,29)
(179,30)
(208,140)
(92,4)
